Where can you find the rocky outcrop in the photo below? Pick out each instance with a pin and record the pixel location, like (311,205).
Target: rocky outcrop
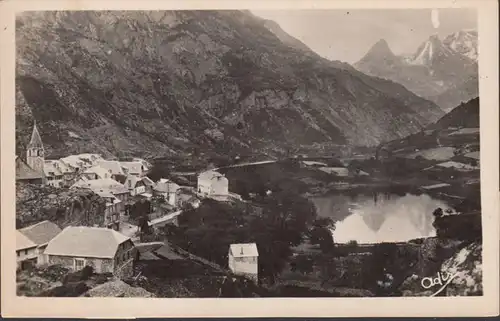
(442,261)
(62,206)
(156,83)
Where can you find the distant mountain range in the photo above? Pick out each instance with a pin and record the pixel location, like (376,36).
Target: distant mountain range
(166,82)
(444,71)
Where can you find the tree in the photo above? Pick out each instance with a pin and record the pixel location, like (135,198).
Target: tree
(321,233)
(302,264)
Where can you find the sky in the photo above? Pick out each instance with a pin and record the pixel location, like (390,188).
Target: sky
(346,35)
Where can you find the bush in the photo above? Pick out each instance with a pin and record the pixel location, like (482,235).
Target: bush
(72,289)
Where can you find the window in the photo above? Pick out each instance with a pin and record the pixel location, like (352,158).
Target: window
(79,264)
(25,252)
(18,253)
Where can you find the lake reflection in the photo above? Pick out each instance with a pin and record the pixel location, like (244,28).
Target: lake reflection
(380,217)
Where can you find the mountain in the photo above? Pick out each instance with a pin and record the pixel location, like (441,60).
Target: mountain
(166,82)
(458,93)
(439,70)
(464,42)
(466,115)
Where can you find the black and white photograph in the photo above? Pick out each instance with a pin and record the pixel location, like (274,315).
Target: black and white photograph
(248,153)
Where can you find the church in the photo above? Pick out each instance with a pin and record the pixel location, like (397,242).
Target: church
(31,171)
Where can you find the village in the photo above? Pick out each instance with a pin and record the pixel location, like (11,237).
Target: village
(113,246)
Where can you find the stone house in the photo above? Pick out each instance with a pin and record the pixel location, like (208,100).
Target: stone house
(106,250)
(114,208)
(243,260)
(53,173)
(212,183)
(26,253)
(40,234)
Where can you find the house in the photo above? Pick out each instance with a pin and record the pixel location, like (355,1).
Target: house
(26,251)
(149,184)
(135,185)
(135,168)
(114,208)
(104,185)
(106,250)
(212,183)
(97,172)
(243,260)
(114,167)
(147,165)
(53,173)
(168,190)
(40,234)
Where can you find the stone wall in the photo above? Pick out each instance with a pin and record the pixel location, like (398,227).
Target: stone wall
(60,205)
(99,265)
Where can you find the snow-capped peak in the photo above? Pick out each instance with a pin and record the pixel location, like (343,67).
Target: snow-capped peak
(426,51)
(463,42)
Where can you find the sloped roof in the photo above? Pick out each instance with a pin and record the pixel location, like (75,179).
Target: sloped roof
(99,171)
(22,242)
(51,168)
(104,185)
(36,140)
(148,181)
(41,233)
(474,155)
(131,181)
(24,172)
(244,250)
(114,166)
(133,167)
(84,241)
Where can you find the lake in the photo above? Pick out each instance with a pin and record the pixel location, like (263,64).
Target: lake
(379,217)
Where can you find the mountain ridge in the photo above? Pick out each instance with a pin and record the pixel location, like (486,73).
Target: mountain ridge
(161,83)
(435,68)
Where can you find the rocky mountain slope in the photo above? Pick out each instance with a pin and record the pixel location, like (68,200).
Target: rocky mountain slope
(444,71)
(465,115)
(156,83)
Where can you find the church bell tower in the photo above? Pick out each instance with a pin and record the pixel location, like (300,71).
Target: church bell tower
(35,154)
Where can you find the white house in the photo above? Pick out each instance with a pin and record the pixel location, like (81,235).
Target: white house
(135,185)
(168,190)
(243,260)
(40,235)
(212,183)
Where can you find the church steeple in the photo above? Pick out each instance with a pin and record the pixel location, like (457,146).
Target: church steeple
(35,153)
(36,140)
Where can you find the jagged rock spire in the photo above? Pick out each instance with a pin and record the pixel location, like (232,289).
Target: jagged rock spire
(36,140)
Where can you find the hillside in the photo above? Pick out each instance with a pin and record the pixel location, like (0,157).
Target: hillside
(441,70)
(160,83)
(466,115)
